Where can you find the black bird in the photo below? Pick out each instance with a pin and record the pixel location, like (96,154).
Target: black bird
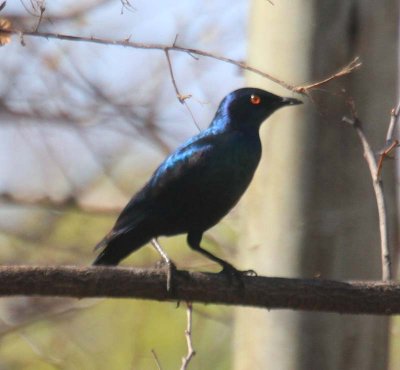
(199,183)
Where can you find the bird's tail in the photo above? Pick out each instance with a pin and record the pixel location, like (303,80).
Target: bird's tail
(107,258)
(116,248)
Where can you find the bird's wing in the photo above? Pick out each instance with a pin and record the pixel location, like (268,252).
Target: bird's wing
(182,162)
(175,169)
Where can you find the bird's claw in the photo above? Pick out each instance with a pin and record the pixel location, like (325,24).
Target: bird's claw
(171,270)
(232,272)
(248,273)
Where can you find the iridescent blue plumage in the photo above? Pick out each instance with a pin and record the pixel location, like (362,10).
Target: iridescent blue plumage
(199,182)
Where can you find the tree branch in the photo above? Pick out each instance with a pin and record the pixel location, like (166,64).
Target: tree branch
(369,156)
(188,335)
(344,71)
(139,45)
(390,143)
(354,297)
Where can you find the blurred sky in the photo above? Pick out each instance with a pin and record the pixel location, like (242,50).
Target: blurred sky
(54,158)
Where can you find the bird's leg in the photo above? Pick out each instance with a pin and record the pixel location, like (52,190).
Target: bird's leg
(170,265)
(194,239)
(161,252)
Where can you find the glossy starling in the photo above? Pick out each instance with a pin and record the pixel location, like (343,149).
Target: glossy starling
(199,182)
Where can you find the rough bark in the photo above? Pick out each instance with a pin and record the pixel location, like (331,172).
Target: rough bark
(360,297)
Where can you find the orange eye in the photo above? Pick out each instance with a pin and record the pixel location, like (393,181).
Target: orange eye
(255,99)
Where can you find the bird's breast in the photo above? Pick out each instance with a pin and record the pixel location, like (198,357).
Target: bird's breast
(211,189)
(229,174)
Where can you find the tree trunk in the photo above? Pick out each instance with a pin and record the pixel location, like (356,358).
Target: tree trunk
(311,210)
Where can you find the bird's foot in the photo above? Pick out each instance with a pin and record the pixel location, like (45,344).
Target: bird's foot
(170,272)
(248,273)
(233,274)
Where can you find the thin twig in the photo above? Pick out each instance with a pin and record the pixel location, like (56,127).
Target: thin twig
(394,118)
(349,68)
(58,314)
(150,46)
(390,143)
(354,64)
(380,198)
(188,335)
(45,356)
(192,116)
(157,361)
(182,98)
(42,9)
(385,153)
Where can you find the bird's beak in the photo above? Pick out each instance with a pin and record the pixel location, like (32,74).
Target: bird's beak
(291,101)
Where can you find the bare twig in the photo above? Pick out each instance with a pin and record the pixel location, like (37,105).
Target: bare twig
(394,118)
(70,203)
(390,143)
(127,5)
(349,68)
(181,98)
(385,153)
(157,361)
(139,45)
(380,198)
(354,297)
(74,11)
(125,111)
(44,355)
(354,64)
(188,335)
(57,314)
(42,9)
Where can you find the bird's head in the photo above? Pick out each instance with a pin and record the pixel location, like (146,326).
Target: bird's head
(247,108)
